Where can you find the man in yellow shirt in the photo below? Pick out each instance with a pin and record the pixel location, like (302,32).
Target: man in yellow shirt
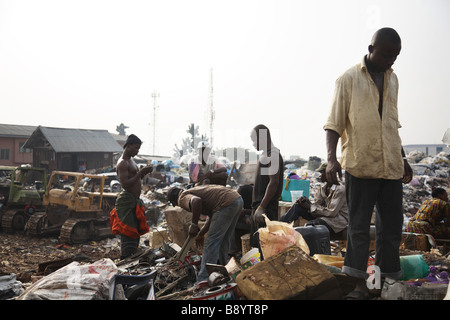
(364,116)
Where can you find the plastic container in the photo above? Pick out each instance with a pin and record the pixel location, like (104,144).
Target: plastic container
(293,185)
(245,242)
(251,258)
(413,267)
(317,238)
(296,194)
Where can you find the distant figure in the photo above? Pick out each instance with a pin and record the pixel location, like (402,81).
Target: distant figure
(205,169)
(128,216)
(364,116)
(433,217)
(268,182)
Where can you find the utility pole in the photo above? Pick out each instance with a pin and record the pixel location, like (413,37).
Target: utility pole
(155,96)
(211,115)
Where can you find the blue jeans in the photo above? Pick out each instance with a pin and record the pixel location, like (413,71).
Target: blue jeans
(217,242)
(362,196)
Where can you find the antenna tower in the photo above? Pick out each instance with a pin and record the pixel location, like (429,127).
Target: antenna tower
(211,114)
(155,96)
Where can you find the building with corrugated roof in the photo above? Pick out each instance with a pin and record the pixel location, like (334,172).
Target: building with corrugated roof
(12,140)
(72,149)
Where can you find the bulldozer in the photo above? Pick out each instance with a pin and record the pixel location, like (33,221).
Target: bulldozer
(21,195)
(77,208)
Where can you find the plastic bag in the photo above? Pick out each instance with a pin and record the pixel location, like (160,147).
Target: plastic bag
(74,282)
(277,236)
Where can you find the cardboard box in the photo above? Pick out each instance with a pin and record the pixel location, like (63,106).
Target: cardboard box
(415,241)
(289,274)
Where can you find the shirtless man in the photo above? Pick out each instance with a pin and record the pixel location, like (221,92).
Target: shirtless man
(128,216)
(127,170)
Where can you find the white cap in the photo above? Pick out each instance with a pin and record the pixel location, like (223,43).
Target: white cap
(204,144)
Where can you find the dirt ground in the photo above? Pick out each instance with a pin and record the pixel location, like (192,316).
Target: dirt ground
(22,255)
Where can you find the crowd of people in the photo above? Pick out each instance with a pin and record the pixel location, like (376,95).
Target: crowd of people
(364,117)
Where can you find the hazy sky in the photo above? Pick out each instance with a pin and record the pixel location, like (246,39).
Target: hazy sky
(95,64)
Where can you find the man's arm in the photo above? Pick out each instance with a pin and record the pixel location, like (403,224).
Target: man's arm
(333,166)
(196,209)
(271,190)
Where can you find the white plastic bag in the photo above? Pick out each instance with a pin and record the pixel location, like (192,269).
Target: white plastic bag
(277,236)
(74,282)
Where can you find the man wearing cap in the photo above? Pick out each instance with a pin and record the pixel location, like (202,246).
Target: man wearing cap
(205,169)
(223,206)
(329,208)
(128,216)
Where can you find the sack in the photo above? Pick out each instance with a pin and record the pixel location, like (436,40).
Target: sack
(277,236)
(74,282)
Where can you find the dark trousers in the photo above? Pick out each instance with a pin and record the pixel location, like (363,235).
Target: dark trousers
(297,211)
(362,196)
(128,246)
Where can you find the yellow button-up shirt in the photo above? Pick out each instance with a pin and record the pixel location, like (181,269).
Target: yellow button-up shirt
(371,145)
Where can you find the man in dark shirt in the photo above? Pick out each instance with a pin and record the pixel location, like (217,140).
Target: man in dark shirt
(268,182)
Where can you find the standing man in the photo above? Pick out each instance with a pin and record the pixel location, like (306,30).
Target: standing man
(268,182)
(223,206)
(364,116)
(128,216)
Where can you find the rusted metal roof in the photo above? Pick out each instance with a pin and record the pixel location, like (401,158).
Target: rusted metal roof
(73,140)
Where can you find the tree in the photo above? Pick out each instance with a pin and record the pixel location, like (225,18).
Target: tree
(189,144)
(121,129)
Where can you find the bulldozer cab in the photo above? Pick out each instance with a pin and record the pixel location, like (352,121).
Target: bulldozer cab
(27,186)
(21,192)
(5,183)
(79,192)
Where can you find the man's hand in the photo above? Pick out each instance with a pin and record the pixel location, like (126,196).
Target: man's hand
(193,230)
(145,170)
(304,203)
(334,171)
(407,172)
(258,216)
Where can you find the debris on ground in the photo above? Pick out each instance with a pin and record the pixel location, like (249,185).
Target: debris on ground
(167,264)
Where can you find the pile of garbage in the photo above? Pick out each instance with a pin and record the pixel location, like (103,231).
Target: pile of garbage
(167,265)
(429,172)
